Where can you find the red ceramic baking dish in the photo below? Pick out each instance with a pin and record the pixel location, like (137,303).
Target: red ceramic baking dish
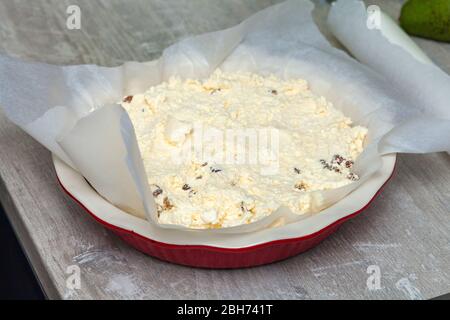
(206,250)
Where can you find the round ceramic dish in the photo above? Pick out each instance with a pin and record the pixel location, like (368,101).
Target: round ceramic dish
(199,249)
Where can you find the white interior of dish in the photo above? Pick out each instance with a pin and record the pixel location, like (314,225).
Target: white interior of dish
(77,186)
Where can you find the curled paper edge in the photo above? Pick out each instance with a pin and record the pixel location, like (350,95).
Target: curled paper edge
(377,19)
(381,47)
(124,188)
(389,43)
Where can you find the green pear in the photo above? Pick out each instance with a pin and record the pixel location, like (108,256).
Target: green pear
(427,18)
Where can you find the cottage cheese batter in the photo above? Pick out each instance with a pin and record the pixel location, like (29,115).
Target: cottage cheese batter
(312,147)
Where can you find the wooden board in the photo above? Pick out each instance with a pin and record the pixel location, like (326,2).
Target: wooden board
(405,232)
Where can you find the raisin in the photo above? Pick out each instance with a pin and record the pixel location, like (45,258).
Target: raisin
(157,192)
(215,90)
(300,186)
(167,205)
(128,99)
(338,159)
(349,163)
(325,164)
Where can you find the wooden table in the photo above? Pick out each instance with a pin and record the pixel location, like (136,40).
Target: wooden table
(405,232)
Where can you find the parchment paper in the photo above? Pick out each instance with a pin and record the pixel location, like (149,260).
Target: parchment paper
(388,50)
(73,110)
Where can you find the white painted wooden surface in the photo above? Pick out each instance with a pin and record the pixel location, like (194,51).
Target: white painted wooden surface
(406,232)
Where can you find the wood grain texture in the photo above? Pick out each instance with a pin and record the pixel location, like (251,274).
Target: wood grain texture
(405,232)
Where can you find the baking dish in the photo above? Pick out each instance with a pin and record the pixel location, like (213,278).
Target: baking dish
(222,250)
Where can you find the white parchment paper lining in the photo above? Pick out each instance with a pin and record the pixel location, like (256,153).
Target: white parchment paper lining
(73,110)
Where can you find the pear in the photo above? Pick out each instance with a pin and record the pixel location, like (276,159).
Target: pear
(427,19)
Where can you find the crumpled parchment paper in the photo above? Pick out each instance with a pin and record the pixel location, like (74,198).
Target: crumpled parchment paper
(73,111)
